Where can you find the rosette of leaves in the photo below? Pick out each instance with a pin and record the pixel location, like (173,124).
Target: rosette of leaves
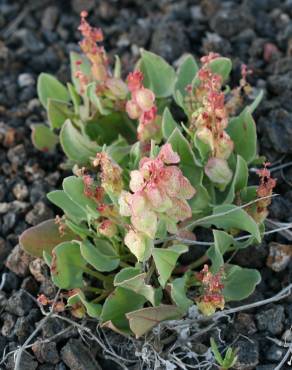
(104,277)
(81,121)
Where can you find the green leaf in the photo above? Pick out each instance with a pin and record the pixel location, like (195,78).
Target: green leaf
(168,124)
(143,320)
(242,130)
(216,352)
(58,112)
(106,129)
(67,266)
(74,188)
(81,230)
(178,293)
(75,145)
(43,237)
(49,87)
(185,74)
(93,309)
(74,97)
(95,99)
(43,138)
(84,67)
(229,216)
(240,282)
(101,256)
(159,76)
(222,242)
(70,208)
(239,180)
(221,66)
(119,151)
(188,162)
(132,279)
(119,303)
(165,260)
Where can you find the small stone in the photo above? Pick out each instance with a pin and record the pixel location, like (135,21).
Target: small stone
(279,256)
(50,17)
(52,327)
(275,353)
(19,304)
(27,362)
(17,155)
(39,213)
(247,355)
(8,322)
(278,126)
(30,285)
(271,319)
(10,281)
(8,222)
(20,191)
(61,366)
(46,352)
(22,329)
(4,251)
(228,23)
(3,300)
(169,41)
(39,269)
(3,344)
(77,357)
(245,324)
(25,79)
(79,5)
(18,261)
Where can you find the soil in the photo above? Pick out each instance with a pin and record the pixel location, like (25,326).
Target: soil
(37,36)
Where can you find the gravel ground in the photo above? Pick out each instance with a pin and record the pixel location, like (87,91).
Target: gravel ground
(36,36)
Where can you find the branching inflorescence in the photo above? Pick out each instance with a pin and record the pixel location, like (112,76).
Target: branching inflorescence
(142,183)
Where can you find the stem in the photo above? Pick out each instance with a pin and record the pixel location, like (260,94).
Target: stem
(93,289)
(101,297)
(96,274)
(124,264)
(150,272)
(193,265)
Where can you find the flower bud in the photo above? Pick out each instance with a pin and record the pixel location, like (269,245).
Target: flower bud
(144,98)
(133,109)
(206,136)
(224,146)
(218,171)
(108,228)
(134,80)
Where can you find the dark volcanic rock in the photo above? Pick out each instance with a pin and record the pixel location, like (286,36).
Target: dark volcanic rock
(169,41)
(19,303)
(77,357)
(248,354)
(271,319)
(278,127)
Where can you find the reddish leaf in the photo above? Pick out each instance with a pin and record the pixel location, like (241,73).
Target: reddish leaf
(44,237)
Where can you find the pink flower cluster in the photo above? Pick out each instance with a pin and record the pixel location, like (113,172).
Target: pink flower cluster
(212,291)
(110,173)
(210,118)
(142,106)
(96,54)
(158,192)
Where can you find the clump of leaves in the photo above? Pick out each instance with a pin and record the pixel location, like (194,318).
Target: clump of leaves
(144,182)
(229,359)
